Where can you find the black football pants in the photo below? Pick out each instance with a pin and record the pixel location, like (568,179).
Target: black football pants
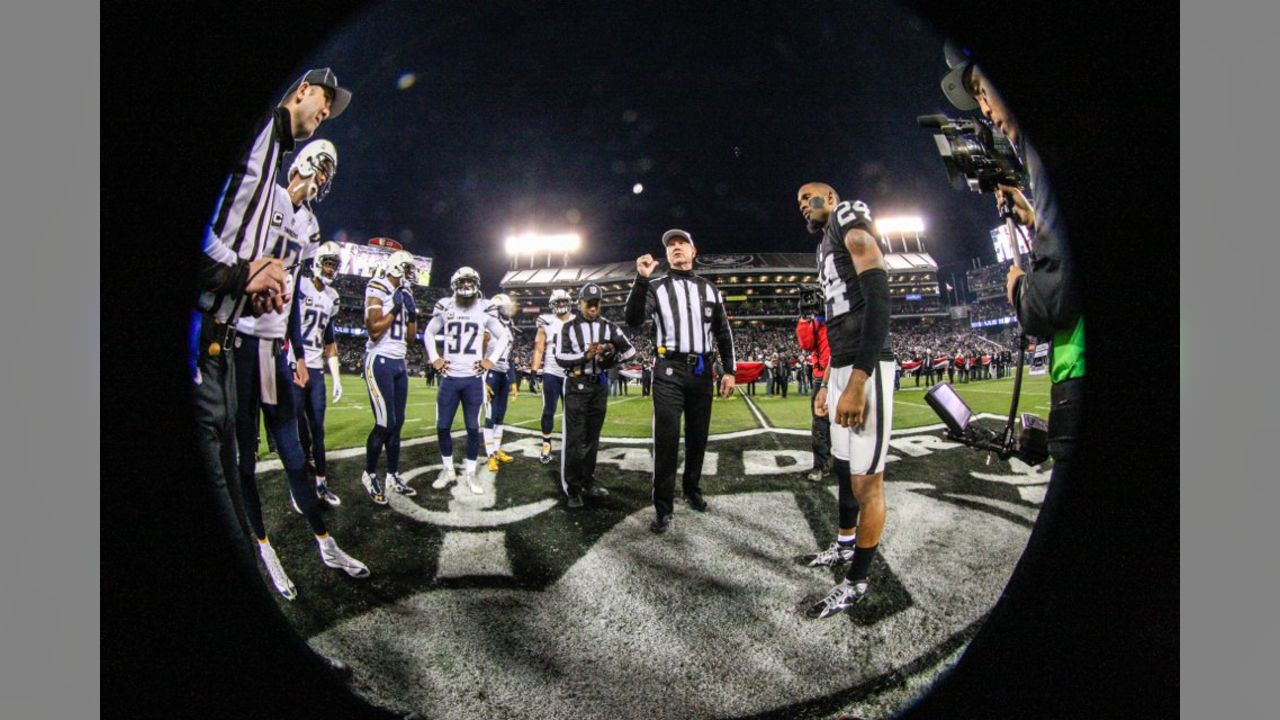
(677,390)
(586,400)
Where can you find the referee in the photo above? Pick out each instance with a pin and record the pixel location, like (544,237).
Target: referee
(687,311)
(587,346)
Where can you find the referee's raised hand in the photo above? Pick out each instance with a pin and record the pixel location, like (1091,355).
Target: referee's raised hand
(645,265)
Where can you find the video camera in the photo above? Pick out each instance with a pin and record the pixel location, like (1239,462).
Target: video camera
(810,301)
(975,153)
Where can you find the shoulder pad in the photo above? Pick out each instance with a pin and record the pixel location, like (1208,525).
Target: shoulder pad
(379,286)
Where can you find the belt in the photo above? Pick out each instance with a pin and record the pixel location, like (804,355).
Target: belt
(215,336)
(686,358)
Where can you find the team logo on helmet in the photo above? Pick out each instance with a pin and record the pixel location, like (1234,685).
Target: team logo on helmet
(505,304)
(560,302)
(400,265)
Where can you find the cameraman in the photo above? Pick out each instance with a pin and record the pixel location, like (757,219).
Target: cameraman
(1046,299)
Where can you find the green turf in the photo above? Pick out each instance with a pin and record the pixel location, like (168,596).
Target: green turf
(347,422)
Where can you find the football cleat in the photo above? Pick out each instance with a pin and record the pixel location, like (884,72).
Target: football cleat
(503,457)
(492,464)
(448,475)
(278,578)
(595,491)
(574,501)
(837,554)
(399,485)
(841,598)
(374,488)
(334,557)
(324,493)
(694,501)
(660,524)
(470,478)
(815,475)
(545,457)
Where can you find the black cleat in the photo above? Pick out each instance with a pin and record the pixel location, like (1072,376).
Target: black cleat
(595,491)
(660,524)
(694,500)
(575,501)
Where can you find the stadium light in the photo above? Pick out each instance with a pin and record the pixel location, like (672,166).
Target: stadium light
(532,243)
(900,225)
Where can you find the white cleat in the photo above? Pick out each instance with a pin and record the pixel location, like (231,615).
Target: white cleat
(334,557)
(471,483)
(448,475)
(278,577)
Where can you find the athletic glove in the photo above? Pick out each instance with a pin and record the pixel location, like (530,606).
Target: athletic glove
(337,381)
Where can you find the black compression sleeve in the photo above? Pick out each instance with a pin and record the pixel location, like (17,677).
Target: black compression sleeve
(875,318)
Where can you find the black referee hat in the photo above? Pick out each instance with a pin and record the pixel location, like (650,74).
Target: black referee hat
(590,291)
(325,78)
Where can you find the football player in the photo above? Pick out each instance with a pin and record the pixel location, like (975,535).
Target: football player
(317,308)
(544,362)
(857,392)
(391,318)
(461,321)
(266,369)
(500,382)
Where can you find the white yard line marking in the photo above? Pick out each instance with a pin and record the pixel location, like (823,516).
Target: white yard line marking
(756,411)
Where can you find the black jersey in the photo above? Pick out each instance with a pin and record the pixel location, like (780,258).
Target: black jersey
(840,288)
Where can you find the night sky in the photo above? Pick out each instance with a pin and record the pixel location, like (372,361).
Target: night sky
(544,117)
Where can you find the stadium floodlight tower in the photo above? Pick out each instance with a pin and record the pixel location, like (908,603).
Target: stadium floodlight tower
(533,244)
(909,230)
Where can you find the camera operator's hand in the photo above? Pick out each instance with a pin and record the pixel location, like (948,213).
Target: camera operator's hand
(1021,208)
(851,410)
(1011,281)
(820,402)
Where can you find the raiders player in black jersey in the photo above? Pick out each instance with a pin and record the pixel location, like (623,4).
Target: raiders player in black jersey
(857,393)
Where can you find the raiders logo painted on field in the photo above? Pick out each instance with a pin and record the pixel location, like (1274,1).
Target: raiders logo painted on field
(539,596)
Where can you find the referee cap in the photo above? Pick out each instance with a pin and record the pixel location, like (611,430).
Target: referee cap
(325,78)
(590,292)
(676,232)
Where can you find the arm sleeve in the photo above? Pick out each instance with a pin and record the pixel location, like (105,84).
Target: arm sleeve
(875,318)
(295,326)
(1047,299)
(724,335)
(328,327)
(499,338)
(434,326)
(623,345)
(218,277)
(564,349)
(639,302)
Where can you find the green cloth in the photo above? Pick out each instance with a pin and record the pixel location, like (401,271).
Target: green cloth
(1066,358)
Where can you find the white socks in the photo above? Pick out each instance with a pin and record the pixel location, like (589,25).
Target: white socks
(469,465)
(488,441)
(447,461)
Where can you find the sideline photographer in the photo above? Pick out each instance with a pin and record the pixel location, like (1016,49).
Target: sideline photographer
(1046,299)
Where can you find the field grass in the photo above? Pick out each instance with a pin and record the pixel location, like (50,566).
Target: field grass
(347,422)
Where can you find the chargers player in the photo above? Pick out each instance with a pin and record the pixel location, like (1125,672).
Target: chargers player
(544,360)
(500,382)
(267,367)
(462,320)
(391,318)
(317,308)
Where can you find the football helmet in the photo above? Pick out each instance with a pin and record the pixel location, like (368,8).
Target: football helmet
(316,157)
(505,305)
(560,302)
(465,282)
(400,265)
(328,252)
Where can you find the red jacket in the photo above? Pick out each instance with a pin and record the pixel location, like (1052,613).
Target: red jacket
(812,336)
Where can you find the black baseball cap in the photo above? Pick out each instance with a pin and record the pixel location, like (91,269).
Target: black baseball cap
(676,232)
(590,292)
(954,84)
(323,77)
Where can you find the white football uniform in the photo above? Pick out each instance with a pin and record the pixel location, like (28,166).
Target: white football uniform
(551,325)
(317,310)
(462,332)
(503,364)
(392,344)
(864,448)
(283,242)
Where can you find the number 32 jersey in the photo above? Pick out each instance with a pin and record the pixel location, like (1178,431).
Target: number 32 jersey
(462,331)
(840,287)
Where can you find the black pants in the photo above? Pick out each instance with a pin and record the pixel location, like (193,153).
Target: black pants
(215,421)
(821,434)
(586,400)
(680,392)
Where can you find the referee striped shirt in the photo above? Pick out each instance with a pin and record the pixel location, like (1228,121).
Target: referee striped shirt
(578,334)
(240,228)
(687,313)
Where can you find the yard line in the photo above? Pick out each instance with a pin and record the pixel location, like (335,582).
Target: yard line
(756,411)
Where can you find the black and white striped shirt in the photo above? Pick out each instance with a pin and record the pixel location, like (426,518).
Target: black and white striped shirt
(240,228)
(576,337)
(687,313)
